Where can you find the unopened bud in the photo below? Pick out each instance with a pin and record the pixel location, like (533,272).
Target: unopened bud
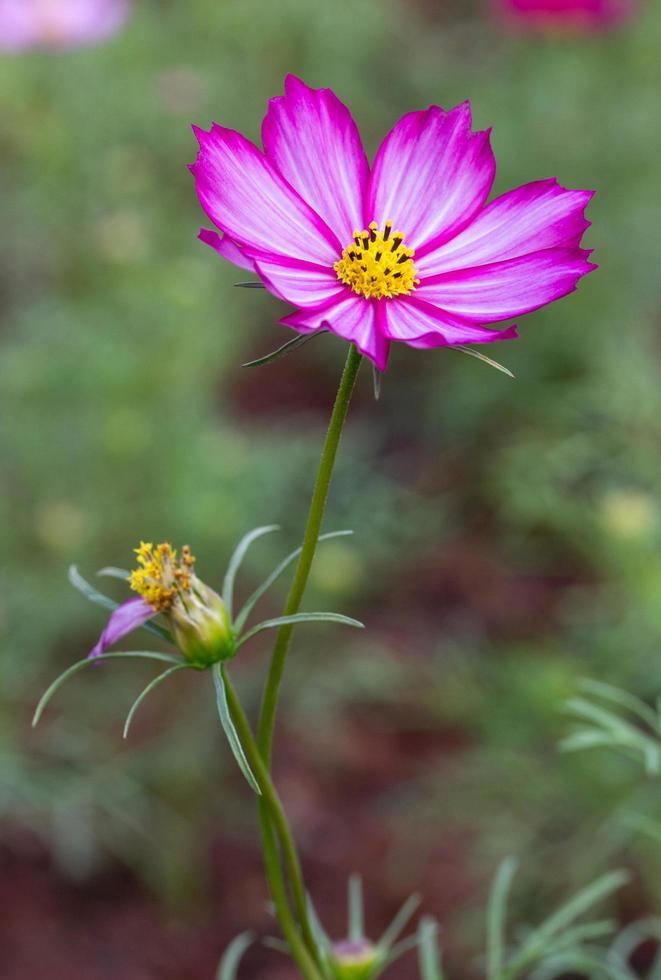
(355,959)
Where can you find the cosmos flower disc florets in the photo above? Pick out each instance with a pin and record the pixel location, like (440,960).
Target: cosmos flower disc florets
(378,265)
(162,577)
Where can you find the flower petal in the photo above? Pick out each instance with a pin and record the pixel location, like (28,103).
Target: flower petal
(123,620)
(505,289)
(300,283)
(246,197)
(227,248)
(351,317)
(431,175)
(538,215)
(314,142)
(420,324)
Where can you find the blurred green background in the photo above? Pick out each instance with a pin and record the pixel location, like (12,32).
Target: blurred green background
(506,532)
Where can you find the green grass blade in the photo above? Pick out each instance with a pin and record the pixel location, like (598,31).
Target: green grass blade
(237,558)
(230,730)
(88,661)
(622,698)
(150,687)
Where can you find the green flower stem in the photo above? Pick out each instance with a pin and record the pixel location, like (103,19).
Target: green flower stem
(312,529)
(272,816)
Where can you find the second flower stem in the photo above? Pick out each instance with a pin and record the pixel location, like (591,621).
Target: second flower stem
(273,818)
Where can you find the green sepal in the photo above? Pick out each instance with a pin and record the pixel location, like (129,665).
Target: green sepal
(287,348)
(311,617)
(229,964)
(236,559)
(147,690)
(88,661)
(229,729)
(250,603)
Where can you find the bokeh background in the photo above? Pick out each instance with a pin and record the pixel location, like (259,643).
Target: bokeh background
(507,533)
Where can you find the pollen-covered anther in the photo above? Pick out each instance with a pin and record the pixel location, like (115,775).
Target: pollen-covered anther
(378,264)
(161,577)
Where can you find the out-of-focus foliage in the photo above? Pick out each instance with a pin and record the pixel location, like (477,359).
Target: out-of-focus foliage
(507,532)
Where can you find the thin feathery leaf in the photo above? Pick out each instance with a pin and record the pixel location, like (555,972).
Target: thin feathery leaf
(250,284)
(88,661)
(147,690)
(237,558)
(250,604)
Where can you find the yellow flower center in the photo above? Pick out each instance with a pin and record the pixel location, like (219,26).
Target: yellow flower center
(378,264)
(161,576)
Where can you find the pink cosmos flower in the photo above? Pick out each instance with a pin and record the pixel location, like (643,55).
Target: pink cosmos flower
(58,24)
(407,250)
(565,14)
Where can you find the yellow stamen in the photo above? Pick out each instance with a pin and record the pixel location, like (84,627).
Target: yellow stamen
(377,264)
(161,576)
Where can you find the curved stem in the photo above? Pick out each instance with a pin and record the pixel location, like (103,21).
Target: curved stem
(312,528)
(272,816)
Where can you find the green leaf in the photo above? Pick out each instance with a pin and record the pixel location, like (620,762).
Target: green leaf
(623,699)
(229,964)
(497,917)
(311,617)
(237,558)
(240,620)
(356,909)
(229,729)
(250,284)
(483,357)
(109,571)
(287,348)
(399,923)
(100,599)
(88,661)
(150,687)
(429,955)
(539,939)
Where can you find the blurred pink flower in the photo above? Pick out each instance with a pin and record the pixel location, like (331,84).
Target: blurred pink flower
(407,250)
(571,15)
(58,24)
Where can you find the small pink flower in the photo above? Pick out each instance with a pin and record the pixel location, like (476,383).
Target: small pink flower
(571,15)
(58,24)
(406,251)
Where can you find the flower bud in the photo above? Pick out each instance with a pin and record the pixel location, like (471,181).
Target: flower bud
(201,626)
(354,959)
